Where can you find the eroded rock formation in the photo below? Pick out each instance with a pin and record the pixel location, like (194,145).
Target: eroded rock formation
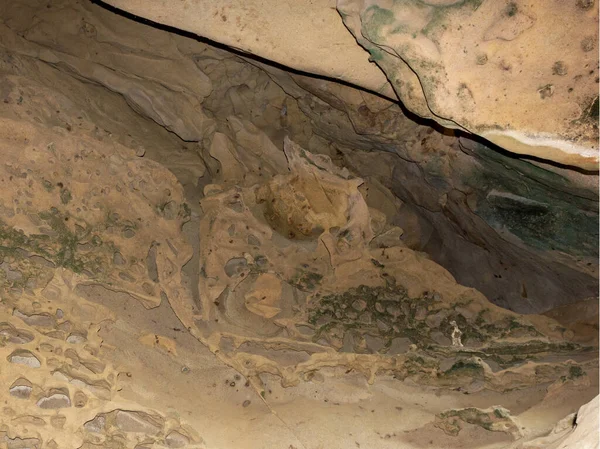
(524,76)
(172,210)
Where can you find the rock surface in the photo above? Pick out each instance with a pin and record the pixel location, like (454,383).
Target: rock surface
(523,76)
(306,257)
(483,66)
(523,233)
(578,430)
(304,35)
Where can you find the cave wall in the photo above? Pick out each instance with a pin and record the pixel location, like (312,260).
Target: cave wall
(258,248)
(522,231)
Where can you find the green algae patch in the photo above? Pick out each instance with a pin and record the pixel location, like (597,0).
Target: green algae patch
(306,280)
(495,419)
(65,252)
(374,19)
(543,209)
(464,368)
(375,54)
(385,312)
(59,245)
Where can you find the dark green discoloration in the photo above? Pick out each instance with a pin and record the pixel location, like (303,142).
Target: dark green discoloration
(186,212)
(464,368)
(65,196)
(374,19)
(538,206)
(511,9)
(451,420)
(440,14)
(399,29)
(49,186)
(66,254)
(384,311)
(61,245)
(376,54)
(388,313)
(306,280)
(575,372)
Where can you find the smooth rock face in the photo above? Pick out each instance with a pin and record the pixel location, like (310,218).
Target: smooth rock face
(302,34)
(578,430)
(585,435)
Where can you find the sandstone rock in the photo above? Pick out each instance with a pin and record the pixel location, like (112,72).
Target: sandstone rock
(416,47)
(325,38)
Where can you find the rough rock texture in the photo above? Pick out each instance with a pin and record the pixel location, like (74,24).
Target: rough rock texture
(488,67)
(523,233)
(95,209)
(71,398)
(293,264)
(294,226)
(456,191)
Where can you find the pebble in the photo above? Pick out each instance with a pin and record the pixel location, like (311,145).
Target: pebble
(12,335)
(76,338)
(24,357)
(176,439)
(359,305)
(80,399)
(20,391)
(54,401)
(58,421)
(41,320)
(96,425)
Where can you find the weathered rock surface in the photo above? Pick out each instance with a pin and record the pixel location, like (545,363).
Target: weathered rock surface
(290,269)
(299,261)
(524,76)
(578,430)
(483,66)
(304,35)
(523,233)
